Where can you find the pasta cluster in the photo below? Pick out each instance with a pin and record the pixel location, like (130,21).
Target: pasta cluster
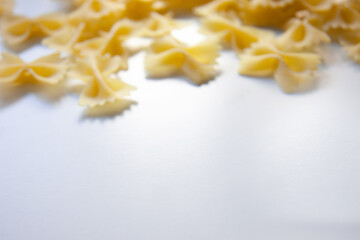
(90,41)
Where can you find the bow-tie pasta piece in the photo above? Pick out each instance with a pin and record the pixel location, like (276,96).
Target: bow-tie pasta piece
(350,40)
(111,43)
(46,70)
(100,87)
(263,60)
(342,16)
(168,57)
(317,6)
(301,36)
(291,81)
(269,13)
(66,38)
(6,6)
(233,33)
(230,9)
(353,51)
(159,25)
(184,6)
(142,9)
(17,29)
(97,15)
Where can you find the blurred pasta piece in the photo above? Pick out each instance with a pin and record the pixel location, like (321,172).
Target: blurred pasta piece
(233,34)
(50,69)
(301,35)
(100,87)
(168,57)
(18,29)
(6,6)
(292,71)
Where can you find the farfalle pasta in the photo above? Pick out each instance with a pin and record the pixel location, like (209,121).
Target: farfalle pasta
(341,15)
(111,43)
(158,25)
(17,29)
(142,9)
(301,35)
(291,70)
(50,69)
(230,9)
(100,87)
(6,6)
(269,13)
(97,38)
(168,57)
(66,38)
(233,33)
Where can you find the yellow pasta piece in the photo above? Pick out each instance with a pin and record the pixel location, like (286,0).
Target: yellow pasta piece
(343,16)
(168,57)
(184,6)
(317,6)
(66,38)
(264,60)
(353,51)
(6,6)
(141,9)
(100,87)
(301,36)
(97,15)
(17,29)
(46,70)
(230,9)
(158,25)
(233,33)
(111,43)
(269,13)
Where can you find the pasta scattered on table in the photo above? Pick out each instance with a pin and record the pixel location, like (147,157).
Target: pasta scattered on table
(92,38)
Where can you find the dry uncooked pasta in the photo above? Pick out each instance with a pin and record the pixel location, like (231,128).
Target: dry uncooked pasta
(291,70)
(168,57)
(6,6)
(17,29)
(45,70)
(302,36)
(93,37)
(100,86)
(233,33)
(111,43)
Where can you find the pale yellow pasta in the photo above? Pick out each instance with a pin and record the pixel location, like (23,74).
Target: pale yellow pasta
(111,43)
(233,33)
(46,70)
(184,5)
(264,60)
(158,25)
(271,3)
(230,9)
(342,16)
(168,57)
(353,51)
(269,13)
(66,38)
(291,81)
(17,29)
(6,6)
(97,15)
(100,87)
(317,6)
(141,9)
(301,36)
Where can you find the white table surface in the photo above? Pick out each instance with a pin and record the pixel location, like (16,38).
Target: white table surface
(232,159)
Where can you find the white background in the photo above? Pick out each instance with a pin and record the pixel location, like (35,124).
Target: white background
(232,159)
